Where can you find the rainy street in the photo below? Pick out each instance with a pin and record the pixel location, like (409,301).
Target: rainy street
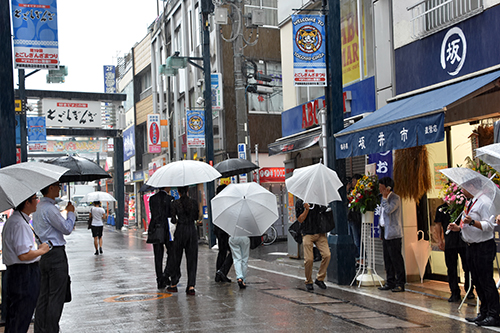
(116,292)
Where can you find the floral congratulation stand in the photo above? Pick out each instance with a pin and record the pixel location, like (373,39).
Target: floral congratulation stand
(366,274)
(365,198)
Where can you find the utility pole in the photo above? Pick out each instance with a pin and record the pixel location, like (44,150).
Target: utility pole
(207,8)
(239,80)
(341,269)
(7,112)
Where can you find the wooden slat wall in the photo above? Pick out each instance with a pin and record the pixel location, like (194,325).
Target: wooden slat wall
(143,108)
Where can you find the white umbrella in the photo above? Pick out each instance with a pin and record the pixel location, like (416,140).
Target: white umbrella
(476,184)
(183,173)
(245,209)
(97,196)
(490,154)
(315,184)
(20,181)
(422,251)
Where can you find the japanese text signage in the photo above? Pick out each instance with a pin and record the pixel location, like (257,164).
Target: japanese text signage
(80,146)
(35,34)
(109,79)
(217,100)
(400,135)
(72,113)
(195,128)
(154,144)
(309,50)
(37,134)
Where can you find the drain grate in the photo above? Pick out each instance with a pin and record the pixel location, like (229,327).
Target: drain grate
(137,297)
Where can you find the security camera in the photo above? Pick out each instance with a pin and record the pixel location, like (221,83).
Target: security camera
(199,83)
(200,101)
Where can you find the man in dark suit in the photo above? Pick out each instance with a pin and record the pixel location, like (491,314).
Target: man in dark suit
(159,205)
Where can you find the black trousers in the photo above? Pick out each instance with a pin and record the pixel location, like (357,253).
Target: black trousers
(185,239)
(163,275)
(480,258)
(224,257)
(24,286)
(451,259)
(394,263)
(54,279)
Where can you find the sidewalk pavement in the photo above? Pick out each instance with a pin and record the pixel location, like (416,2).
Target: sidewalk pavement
(116,292)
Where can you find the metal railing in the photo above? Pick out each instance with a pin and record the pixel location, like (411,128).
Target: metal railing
(430,16)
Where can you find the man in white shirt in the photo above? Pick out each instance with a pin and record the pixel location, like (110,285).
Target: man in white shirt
(50,225)
(477,228)
(98,214)
(21,257)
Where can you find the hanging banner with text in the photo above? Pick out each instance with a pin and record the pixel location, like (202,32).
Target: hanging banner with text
(109,79)
(35,34)
(309,57)
(154,144)
(81,146)
(195,128)
(71,113)
(37,134)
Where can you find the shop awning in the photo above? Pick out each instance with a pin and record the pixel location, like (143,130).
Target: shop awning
(295,142)
(408,122)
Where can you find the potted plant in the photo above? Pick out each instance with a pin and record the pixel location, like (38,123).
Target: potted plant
(365,195)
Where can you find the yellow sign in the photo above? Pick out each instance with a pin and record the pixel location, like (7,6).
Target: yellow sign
(350,42)
(18,105)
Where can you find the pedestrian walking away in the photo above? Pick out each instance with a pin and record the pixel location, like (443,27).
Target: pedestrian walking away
(51,226)
(391,232)
(240,250)
(224,257)
(185,213)
(159,206)
(309,218)
(354,218)
(21,256)
(477,228)
(97,214)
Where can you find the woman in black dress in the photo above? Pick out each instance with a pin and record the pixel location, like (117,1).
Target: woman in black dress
(185,213)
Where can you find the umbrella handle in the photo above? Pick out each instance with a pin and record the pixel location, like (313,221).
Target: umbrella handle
(418,233)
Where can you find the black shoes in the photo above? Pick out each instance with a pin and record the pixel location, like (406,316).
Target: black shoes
(320,284)
(100,250)
(454,298)
(398,289)
(96,253)
(171,289)
(222,277)
(241,284)
(309,287)
(470,295)
(489,321)
(190,292)
(385,287)
(480,317)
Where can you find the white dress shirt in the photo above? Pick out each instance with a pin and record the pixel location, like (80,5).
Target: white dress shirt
(17,239)
(480,213)
(97,214)
(49,224)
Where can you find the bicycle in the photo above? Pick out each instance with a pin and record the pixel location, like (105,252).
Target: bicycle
(270,236)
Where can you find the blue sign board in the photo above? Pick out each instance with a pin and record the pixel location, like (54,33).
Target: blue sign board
(309,50)
(35,34)
(109,79)
(18,130)
(37,133)
(195,128)
(384,169)
(464,48)
(128,143)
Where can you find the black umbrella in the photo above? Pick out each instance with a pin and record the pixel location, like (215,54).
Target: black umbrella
(81,169)
(147,188)
(234,166)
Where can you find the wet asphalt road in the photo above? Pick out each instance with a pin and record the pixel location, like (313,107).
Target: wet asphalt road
(116,292)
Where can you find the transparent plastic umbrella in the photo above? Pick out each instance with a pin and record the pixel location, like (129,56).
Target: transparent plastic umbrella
(422,251)
(315,184)
(20,181)
(477,185)
(183,173)
(490,154)
(97,196)
(245,209)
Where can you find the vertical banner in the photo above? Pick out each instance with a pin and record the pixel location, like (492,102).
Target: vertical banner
(154,144)
(309,50)
(109,79)
(350,42)
(242,153)
(128,143)
(217,100)
(37,134)
(195,128)
(35,34)
(383,168)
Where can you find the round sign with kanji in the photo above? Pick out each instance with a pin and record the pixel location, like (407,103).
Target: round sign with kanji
(154,133)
